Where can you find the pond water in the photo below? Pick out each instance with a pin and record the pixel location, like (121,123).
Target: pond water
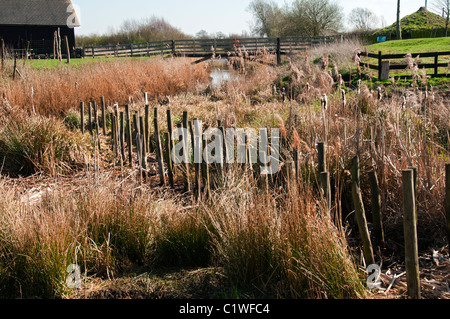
(221,73)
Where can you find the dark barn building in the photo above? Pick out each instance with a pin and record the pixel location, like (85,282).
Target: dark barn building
(35,21)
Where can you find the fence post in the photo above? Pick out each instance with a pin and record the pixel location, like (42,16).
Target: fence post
(82,116)
(128,134)
(436,59)
(410,235)
(376,207)
(90,117)
(102,101)
(447,199)
(360,213)
(278,51)
(3,53)
(122,135)
(168,158)
(159,149)
(380,60)
(172,44)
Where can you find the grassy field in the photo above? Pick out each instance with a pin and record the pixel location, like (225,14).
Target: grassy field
(412,46)
(69,198)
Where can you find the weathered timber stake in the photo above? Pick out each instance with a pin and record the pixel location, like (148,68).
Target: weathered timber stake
(325,182)
(376,207)
(128,133)
(143,147)
(447,199)
(186,154)
(159,154)
(67,49)
(136,124)
(170,131)
(414,169)
(168,158)
(139,155)
(147,127)
(90,118)
(205,167)
(113,134)
(82,116)
(3,53)
(321,157)
(122,135)
(102,102)
(360,213)
(223,165)
(410,235)
(197,172)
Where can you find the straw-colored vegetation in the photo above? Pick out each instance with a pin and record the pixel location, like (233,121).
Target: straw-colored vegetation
(80,206)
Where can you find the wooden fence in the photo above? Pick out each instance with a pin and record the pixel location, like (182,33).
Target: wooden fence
(209,47)
(385,65)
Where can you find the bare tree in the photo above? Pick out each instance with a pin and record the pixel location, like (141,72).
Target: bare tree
(363,19)
(316,16)
(268,17)
(443,6)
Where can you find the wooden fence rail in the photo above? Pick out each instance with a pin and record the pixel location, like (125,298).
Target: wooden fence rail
(207,47)
(384,65)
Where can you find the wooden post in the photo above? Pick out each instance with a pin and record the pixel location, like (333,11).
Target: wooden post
(380,59)
(128,130)
(436,59)
(67,49)
(447,199)
(205,168)
(158,149)
(90,118)
(3,53)
(122,135)
(196,165)
(143,148)
(95,109)
(172,44)
(321,157)
(278,51)
(168,158)
(136,124)
(102,102)
(360,213)
(376,207)
(186,155)
(325,182)
(147,129)
(113,135)
(82,117)
(170,131)
(410,235)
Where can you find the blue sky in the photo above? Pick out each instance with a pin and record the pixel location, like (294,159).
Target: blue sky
(231,16)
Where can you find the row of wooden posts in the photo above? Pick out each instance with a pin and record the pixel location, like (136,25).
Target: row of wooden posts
(121,134)
(409,193)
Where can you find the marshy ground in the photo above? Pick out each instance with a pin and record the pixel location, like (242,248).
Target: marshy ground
(64,202)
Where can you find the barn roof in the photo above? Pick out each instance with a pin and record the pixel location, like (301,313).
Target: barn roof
(37,12)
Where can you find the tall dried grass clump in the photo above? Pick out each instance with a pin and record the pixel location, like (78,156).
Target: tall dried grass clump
(280,244)
(34,143)
(54,91)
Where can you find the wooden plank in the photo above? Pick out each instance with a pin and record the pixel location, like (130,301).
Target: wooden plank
(410,235)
